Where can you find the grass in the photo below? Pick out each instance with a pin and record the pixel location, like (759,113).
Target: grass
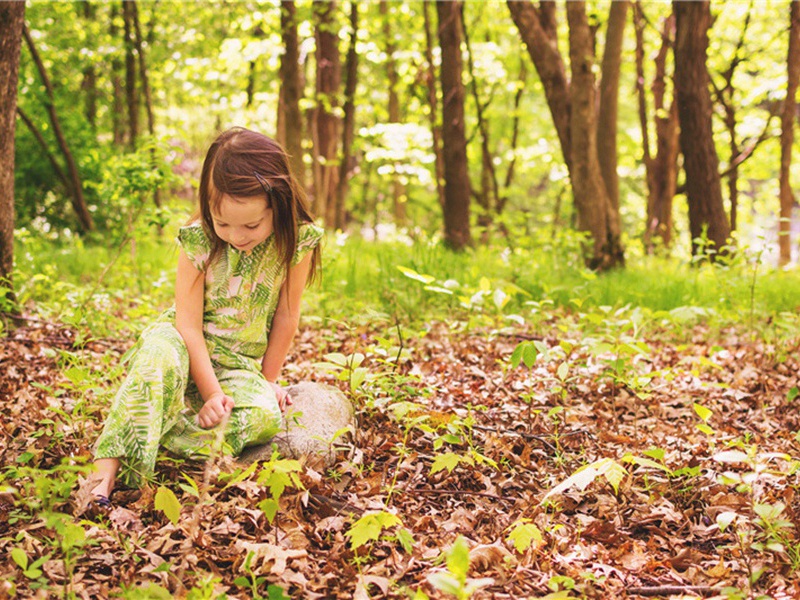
(75,280)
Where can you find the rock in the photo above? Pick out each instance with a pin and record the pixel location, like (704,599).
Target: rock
(317,414)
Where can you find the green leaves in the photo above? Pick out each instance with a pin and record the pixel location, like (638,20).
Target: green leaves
(370,527)
(168,503)
(609,469)
(524,534)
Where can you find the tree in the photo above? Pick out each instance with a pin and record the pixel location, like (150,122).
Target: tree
(326,139)
(290,118)
(349,122)
(73,179)
(703,188)
(398,189)
(131,91)
(12,15)
(661,169)
(433,105)
(456,179)
(574,110)
(788,116)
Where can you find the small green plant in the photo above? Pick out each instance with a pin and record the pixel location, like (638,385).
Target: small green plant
(277,474)
(454,581)
(371,527)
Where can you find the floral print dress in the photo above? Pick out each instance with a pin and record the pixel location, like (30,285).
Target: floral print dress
(158,402)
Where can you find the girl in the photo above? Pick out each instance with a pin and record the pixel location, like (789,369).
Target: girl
(214,357)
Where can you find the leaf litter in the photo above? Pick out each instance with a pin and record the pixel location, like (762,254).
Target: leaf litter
(672,473)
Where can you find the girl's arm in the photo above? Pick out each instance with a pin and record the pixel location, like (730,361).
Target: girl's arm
(189,288)
(286,319)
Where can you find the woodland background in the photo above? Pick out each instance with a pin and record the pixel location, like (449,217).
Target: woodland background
(559,285)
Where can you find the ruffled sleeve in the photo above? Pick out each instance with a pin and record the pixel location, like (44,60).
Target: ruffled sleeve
(195,243)
(308,238)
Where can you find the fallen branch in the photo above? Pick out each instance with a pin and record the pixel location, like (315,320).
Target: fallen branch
(457,493)
(670,590)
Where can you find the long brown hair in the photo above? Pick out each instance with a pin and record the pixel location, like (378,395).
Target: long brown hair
(242,164)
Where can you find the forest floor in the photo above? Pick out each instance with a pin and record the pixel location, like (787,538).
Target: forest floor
(689,490)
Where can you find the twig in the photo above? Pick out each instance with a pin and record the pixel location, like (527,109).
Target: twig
(531,436)
(669,590)
(457,493)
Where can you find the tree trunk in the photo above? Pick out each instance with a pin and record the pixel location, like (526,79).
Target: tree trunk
(349,124)
(328,81)
(76,186)
(489,192)
(398,189)
(433,103)
(131,93)
(537,27)
(505,194)
(662,170)
(148,100)
(703,188)
(609,93)
(595,213)
(456,187)
(118,103)
(12,15)
(89,83)
(290,119)
(787,134)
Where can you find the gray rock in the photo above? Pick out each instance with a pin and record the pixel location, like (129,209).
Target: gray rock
(313,424)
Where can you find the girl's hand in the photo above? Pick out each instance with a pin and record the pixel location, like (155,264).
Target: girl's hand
(215,409)
(284,399)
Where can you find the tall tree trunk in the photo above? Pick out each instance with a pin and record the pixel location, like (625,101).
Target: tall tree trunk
(596,214)
(609,93)
(148,99)
(509,179)
(489,192)
(538,28)
(398,189)
(433,104)
(349,124)
(662,170)
(76,186)
(89,83)
(703,188)
(12,15)
(131,92)
(118,102)
(787,134)
(328,81)
(456,187)
(725,98)
(290,118)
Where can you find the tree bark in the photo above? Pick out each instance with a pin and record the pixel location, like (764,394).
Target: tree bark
(290,118)
(596,214)
(662,170)
(457,186)
(433,104)
(609,93)
(489,192)
(349,123)
(12,15)
(89,83)
(537,27)
(787,135)
(327,138)
(398,189)
(75,184)
(510,172)
(703,188)
(118,103)
(131,92)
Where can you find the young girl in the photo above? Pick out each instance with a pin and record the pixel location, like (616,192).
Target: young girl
(214,357)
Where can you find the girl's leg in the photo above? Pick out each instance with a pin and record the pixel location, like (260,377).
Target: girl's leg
(146,406)
(107,470)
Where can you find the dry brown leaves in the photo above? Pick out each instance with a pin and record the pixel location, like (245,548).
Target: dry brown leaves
(657,535)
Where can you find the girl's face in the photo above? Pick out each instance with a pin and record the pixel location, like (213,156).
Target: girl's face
(244,222)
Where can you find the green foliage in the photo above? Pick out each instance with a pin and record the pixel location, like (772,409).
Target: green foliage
(454,581)
(370,527)
(168,503)
(277,474)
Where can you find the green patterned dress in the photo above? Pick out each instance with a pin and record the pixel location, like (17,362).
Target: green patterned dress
(158,402)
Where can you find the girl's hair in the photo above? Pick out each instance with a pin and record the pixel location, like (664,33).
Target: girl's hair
(242,164)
